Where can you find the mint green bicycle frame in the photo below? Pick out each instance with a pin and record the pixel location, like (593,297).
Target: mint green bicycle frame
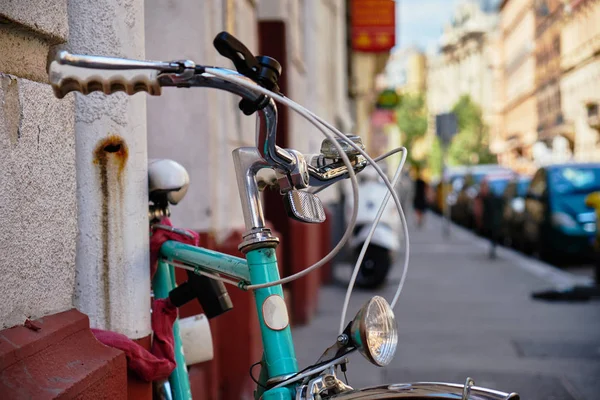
(260,266)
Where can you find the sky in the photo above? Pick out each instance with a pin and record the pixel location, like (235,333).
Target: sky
(421,22)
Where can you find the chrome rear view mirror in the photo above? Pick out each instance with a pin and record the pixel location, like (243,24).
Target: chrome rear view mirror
(304,207)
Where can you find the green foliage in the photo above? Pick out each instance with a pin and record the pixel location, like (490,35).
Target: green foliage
(412,121)
(434,158)
(471,144)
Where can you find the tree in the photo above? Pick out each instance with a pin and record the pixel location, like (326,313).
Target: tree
(412,121)
(471,143)
(434,158)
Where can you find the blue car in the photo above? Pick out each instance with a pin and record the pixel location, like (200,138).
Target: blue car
(557,221)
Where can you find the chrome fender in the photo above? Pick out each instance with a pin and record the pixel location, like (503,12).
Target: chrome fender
(425,390)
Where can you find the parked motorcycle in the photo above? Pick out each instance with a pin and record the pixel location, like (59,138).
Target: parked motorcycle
(385,242)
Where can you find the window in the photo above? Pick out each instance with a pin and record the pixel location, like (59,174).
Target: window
(592,110)
(522,187)
(541,8)
(510,191)
(497,186)
(575,179)
(538,184)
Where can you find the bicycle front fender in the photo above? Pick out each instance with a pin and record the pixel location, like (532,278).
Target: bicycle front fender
(425,391)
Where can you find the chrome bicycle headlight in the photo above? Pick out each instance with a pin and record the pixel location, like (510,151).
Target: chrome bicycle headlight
(374,331)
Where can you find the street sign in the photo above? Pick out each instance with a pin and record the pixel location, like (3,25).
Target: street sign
(445,127)
(388,99)
(373,25)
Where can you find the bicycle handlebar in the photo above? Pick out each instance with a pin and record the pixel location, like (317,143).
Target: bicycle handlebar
(86,74)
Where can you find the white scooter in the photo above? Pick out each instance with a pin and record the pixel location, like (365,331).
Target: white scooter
(386,239)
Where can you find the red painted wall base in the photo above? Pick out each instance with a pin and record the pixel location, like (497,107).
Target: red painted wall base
(305,290)
(138,389)
(58,357)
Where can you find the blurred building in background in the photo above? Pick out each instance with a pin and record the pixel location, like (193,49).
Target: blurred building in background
(371,34)
(464,64)
(365,68)
(550,71)
(405,74)
(405,71)
(580,79)
(555,136)
(519,121)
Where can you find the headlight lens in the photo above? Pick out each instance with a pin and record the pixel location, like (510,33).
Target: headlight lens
(374,331)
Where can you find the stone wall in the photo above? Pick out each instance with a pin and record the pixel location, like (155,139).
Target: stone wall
(74,214)
(37,167)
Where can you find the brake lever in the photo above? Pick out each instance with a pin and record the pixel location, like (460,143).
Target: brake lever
(262,69)
(229,47)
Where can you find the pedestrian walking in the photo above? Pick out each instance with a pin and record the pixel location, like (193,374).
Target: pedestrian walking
(492,215)
(419,199)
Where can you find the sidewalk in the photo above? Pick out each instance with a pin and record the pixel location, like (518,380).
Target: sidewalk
(462,314)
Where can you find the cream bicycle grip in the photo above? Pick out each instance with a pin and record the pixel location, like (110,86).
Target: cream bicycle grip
(66,78)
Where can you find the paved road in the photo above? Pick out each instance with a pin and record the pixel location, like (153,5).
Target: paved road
(462,314)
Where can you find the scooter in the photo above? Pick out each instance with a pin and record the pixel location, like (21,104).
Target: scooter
(385,242)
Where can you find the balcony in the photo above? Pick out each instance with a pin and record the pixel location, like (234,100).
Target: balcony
(555,125)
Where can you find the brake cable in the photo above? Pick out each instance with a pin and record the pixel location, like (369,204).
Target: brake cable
(309,115)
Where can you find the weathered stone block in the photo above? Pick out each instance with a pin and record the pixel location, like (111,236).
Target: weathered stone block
(37,200)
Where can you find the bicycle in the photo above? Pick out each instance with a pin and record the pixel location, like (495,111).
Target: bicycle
(372,332)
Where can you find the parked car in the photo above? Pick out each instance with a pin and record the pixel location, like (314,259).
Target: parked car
(462,210)
(513,213)
(557,221)
(431,193)
(489,201)
(452,178)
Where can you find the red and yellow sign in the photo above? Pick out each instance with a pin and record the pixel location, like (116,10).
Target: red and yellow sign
(373,25)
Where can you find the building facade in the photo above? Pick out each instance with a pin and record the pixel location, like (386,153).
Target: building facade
(518,122)
(405,71)
(555,135)
(464,64)
(75,216)
(580,80)
(363,89)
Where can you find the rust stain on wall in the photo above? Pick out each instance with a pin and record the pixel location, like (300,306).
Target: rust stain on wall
(110,155)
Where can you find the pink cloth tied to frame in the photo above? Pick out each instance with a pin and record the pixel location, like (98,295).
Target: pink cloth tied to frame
(159,362)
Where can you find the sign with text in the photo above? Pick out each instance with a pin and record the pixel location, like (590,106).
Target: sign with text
(381,118)
(373,25)
(445,127)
